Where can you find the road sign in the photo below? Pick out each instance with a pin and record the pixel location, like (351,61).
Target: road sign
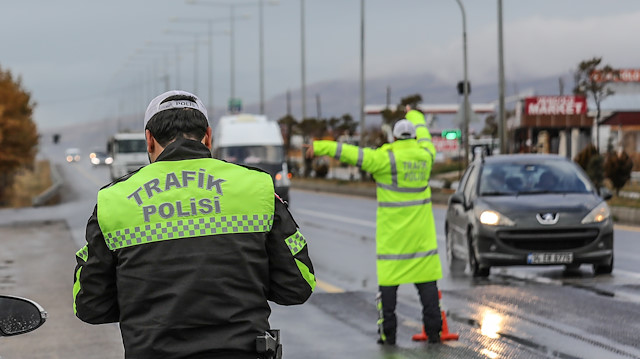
(235,105)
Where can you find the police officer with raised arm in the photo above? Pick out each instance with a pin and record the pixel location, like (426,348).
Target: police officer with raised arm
(406,247)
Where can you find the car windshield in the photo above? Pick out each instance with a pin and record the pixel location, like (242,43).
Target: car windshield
(252,154)
(132,146)
(549,176)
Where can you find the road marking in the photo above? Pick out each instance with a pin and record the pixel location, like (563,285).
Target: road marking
(337,218)
(329,287)
(627,273)
(88,175)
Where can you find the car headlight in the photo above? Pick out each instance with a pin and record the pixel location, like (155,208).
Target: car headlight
(494,218)
(108,161)
(599,214)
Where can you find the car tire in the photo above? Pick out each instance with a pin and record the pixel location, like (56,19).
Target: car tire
(607,268)
(572,268)
(476,270)
(456,265)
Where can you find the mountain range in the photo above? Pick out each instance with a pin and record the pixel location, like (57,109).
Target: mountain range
(339,97)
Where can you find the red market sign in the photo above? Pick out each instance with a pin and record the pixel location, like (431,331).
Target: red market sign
(443,145)
(624,75)
(555,105)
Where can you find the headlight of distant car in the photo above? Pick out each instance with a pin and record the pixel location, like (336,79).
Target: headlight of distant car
(493,218)
(108,160)
(599,214)
(95,160)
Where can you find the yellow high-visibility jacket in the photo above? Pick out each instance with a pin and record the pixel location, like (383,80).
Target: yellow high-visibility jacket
(406,245)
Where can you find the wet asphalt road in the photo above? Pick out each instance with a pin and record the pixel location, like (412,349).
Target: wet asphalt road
(515,313)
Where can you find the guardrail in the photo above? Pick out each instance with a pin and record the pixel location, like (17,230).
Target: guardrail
(50,192)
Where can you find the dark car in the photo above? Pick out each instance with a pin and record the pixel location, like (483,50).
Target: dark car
(100,158)
(528,209)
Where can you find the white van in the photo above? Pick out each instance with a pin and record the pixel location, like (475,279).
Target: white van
(256,141)
(129,152)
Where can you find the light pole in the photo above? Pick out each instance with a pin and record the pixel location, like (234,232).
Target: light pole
(501,114)
(209,23)
(196,36)
(302,62)
(465,86)
(232,6)
(361,139)
(168,48)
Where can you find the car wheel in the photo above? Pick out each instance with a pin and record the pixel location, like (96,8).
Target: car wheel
(476,270)
(456,265)
(603,268)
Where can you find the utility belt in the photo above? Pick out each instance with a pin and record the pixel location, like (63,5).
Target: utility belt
(268,344)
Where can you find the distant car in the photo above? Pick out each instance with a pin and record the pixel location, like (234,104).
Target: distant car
(528,209)
(100,158)
(72,154)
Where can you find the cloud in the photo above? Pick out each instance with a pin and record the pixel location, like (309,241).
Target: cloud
(533,47)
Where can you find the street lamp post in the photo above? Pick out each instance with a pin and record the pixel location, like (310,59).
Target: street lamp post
(501,112)
(465,86)
(209,23)
(232,6)
(361,140)
(175,48)
(302,63)
(195,56)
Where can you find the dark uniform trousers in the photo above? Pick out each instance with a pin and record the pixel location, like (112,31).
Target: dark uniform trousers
(431,317)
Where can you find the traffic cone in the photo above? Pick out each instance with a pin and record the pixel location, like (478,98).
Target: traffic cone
(444,334)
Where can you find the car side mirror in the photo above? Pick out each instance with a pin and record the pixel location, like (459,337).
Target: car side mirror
(605,193)
(19,315)
(457,198)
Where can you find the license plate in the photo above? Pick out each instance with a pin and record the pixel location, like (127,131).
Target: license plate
(549,258)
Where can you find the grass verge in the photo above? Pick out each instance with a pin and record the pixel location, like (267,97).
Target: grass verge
(29,183)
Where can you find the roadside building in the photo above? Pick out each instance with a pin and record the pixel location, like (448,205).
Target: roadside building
(566,124)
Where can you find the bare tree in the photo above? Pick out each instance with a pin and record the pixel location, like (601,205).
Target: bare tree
(591,79)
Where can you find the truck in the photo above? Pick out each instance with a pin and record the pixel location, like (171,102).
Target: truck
(129,153)
(255,141)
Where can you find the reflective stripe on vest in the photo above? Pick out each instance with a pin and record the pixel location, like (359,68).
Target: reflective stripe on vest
(295,242)
(402,189)
(408,255)
(426,149)
(184,228)
(404,203)
(395,188)
(339,153)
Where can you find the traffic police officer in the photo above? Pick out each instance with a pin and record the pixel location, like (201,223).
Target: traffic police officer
(185,252)
(406,244)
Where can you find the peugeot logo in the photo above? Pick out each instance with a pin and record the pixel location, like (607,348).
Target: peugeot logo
(547,218)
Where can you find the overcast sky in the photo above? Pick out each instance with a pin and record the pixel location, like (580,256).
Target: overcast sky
(90,60)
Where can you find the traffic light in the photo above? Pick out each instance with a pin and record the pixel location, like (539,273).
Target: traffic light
(452,134)
(460,87)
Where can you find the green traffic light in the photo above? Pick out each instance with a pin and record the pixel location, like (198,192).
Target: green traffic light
(451,134)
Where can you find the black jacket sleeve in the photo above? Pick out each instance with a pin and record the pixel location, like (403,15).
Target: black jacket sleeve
(291,274)
(94,289)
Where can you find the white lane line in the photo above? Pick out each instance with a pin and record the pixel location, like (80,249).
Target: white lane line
(336,218)
(627,273)
(89,176)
